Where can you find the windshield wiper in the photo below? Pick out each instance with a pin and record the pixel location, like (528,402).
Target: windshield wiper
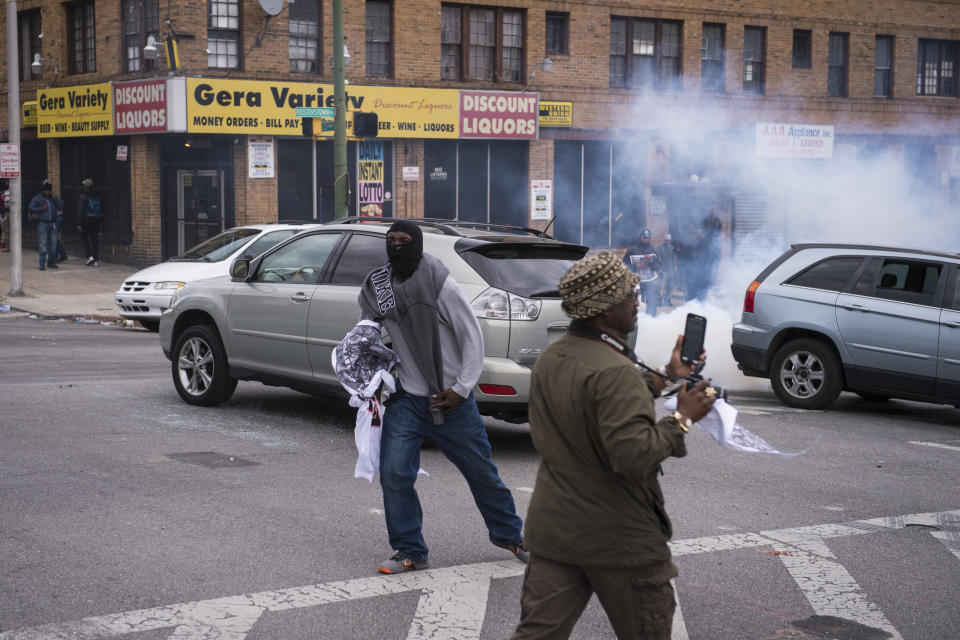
(549,293)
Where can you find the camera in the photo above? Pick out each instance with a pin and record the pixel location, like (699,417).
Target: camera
(695,378)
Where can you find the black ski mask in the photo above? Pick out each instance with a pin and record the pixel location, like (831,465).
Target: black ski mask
(405,258)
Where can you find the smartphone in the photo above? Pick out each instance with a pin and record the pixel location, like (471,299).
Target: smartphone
(693,335)
(436,416)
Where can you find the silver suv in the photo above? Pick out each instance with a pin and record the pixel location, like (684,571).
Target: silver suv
(279,316)
(881,322)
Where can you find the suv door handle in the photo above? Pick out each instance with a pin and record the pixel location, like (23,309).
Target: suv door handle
(952,323)
(300,297)
(855,307)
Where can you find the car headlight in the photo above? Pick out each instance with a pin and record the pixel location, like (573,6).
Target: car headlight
(168,285)
(176,295)
(500,305)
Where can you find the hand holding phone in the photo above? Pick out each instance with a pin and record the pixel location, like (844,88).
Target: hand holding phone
(693,336)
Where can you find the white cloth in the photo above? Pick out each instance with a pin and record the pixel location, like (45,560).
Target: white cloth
(721,423)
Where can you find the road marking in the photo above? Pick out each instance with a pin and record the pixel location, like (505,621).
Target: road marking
(938,445)
(453,599)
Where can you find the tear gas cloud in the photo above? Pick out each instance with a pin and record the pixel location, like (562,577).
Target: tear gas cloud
(865,194)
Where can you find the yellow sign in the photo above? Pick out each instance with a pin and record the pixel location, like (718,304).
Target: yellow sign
(29,117)
(257,107)
(556,114)
(68,112)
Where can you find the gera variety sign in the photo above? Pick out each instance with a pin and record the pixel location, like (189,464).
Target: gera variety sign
(808,141)
(258,107)
(498,114)
(84,110)
(140,107)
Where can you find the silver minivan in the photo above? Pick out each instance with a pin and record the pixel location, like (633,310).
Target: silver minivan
(881,322)
(279,317)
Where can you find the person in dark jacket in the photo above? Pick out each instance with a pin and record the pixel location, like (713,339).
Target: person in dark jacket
(90,216)
(597,521)
(644,260)
(44,208)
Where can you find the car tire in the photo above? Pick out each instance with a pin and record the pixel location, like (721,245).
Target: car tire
(153,326)
(872,397)
(199,366)
(806,374)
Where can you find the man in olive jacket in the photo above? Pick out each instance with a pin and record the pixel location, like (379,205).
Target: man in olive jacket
(596,521)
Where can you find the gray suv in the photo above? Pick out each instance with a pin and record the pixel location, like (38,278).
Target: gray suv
(277,318)
(881,322)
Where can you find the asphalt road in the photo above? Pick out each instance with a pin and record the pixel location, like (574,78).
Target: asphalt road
(127,513)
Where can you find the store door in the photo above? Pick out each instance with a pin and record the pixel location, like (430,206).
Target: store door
(200,205)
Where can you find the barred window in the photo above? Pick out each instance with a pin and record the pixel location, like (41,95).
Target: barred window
(802,44)
(223,34)
(141,19)
(378,39)
(936,68)
(712,54)
(495,43)
(305,54)
(837,65)
(754,59)
(653,57)
(558,33)
(81,37)
(883,67)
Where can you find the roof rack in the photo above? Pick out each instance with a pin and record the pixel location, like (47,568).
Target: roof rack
(448,227)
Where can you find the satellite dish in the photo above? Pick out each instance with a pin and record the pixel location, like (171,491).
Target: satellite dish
(272,7)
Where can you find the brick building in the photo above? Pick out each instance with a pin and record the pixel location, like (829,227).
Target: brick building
(644,114)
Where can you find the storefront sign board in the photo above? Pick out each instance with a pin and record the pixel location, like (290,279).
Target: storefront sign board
(257,107)
(556,114)
(29,117)
(9,160)
(498,115)
(370,177)
(541,199)
(140,107)
(807,141)
(260,157)
(70,112)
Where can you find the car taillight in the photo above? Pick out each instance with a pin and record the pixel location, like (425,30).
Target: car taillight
(498,304)
(498,390)
(748,298)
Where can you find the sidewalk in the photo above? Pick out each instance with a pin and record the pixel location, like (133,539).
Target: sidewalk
(71,291)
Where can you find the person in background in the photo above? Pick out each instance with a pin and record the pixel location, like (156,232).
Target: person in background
(597,522)
(90,214)
(438,341)
(4,215)
(643,260)
(668,269)
(43,210)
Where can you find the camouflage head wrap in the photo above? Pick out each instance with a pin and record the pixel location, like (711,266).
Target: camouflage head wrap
(596,284)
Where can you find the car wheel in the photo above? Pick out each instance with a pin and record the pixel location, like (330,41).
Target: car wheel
(872,397)
(199,366)
(152,326)
(806,374)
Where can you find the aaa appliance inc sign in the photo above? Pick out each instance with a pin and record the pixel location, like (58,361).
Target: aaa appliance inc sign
(805,141)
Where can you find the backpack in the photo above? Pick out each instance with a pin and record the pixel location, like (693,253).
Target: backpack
(93,206)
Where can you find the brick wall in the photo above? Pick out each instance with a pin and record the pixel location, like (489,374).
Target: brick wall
(145,199)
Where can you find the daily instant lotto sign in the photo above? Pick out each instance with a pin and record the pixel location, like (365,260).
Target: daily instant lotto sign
(257,107)
(65,112)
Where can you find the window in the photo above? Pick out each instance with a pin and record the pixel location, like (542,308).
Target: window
(298,262)
(267,241)
(832,274)
(652,59)
(908,281)
(936,68)
(883,67)
(754,58)
(837,65)
(305,37)
(223,34)
(711,72)
(558,33)
(81,38)
(802,43)
(494,41)
(363,254)
(29,36)
(141,18)
(378,39)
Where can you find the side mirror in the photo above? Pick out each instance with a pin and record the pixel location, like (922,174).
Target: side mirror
(240,269)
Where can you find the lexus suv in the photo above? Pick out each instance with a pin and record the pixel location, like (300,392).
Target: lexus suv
(279,316)
(881,322)
(145,294)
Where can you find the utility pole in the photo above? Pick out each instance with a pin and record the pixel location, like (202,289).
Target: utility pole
(13,125)
(340,117)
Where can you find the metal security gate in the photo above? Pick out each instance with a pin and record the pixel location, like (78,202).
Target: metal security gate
(759,226)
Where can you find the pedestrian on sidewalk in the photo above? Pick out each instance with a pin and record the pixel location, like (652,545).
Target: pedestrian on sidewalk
(597,521)
(43,210)
(438,341)
(4,215)
(90,212)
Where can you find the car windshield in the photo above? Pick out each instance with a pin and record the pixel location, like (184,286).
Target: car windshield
(219,246)
(528,270)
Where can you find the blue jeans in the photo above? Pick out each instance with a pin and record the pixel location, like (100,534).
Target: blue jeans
(463,439)
(47,243)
